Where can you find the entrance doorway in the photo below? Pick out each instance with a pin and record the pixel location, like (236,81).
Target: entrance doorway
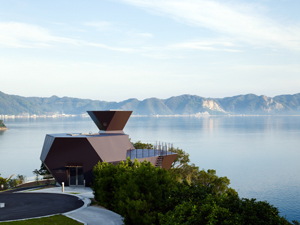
(76,176)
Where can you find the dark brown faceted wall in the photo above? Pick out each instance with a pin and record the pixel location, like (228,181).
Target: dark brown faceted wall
(71,152)
(85,152)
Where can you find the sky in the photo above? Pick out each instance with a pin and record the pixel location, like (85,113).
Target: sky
(113,50)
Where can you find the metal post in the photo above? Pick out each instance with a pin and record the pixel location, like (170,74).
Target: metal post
(63,186)
(84,183)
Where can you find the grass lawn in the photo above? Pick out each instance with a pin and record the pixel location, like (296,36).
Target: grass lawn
(53,220)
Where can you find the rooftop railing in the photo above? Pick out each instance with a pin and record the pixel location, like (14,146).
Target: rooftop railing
(144,153)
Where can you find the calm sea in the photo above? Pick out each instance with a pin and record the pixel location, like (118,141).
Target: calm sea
(260,155)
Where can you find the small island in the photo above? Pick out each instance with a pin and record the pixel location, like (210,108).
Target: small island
(2,125)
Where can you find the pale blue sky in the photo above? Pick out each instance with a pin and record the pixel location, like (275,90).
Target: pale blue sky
(115,50)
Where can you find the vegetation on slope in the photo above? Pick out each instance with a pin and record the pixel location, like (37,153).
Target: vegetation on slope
(2,125)
(182,105)
(143,194)
(4,182)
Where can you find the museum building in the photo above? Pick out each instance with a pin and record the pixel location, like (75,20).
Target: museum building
(70,157)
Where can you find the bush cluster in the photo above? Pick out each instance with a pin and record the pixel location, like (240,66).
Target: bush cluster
(137,191)
(143,194)
(11,182)
(197,204)
(2,124)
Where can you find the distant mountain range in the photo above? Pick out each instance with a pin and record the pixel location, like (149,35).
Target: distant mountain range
(249,104)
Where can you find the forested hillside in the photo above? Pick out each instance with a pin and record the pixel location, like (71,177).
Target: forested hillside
(249,104)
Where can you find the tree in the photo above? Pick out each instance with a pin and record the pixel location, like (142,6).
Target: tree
(4,182)
(36,173)
(44,170)
(198,204)
(190,173)
(181,159)
(140,145)
(136,190)
(183,171)
(2,124)
(144,194)
(16,181)
(20,178)
(13,183)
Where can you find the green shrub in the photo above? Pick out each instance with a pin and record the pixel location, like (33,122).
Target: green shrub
(4,182)
(198,204)
(137,191)
(140,145)
(143,194)
(2,124)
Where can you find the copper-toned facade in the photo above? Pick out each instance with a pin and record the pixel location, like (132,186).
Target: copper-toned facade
(71,157)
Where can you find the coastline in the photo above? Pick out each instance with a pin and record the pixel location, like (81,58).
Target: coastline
(205,114)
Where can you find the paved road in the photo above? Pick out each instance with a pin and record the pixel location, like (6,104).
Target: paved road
(27,205)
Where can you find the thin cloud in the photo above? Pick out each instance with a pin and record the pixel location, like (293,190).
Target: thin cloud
(129,50)
(132,37)
(240,22)
(204,45)
(101,25)
(176,50)
(142,35)
(21,35)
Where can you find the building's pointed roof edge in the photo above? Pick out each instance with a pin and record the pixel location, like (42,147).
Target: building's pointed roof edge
(110,120)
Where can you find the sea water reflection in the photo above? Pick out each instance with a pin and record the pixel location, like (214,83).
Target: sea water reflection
(260,155)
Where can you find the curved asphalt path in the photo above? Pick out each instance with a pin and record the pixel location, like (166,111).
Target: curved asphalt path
(28,205)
